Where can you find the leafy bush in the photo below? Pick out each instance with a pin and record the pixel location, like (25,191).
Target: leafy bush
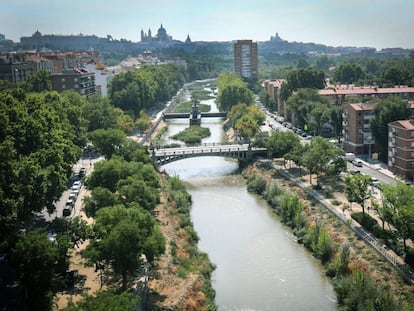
(366,221)
(193,134)
(409,257)
(257,185)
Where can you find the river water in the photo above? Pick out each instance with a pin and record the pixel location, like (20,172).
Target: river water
(259,264)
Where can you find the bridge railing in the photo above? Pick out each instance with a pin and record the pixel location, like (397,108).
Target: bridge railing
(155,147)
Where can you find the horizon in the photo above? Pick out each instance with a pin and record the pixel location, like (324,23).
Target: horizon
(351,23)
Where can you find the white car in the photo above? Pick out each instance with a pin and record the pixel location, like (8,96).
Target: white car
(357,162)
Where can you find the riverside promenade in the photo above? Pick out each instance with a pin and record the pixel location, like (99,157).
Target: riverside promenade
(345,216)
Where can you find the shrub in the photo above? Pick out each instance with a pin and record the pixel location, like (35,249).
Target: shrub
(366,221)
(409,257)
(257,185)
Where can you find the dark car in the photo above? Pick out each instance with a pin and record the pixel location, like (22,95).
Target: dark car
(82,172)
(67,210)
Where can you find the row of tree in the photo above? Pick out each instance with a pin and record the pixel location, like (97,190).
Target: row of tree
(146,88)
(395,207)
(43,134)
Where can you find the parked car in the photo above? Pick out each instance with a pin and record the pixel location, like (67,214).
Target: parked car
(82,172)
(375,181)
(67,210)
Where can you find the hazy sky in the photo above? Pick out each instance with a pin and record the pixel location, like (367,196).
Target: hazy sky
(372,23)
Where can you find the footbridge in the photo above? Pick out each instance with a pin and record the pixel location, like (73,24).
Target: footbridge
(186,115)
(241,152)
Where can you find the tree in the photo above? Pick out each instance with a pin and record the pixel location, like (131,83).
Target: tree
(357,189)
(108,141)
(100,197)
(281,143)
(124,122)
(39,82)
(306,78)
(398,200)
(34,257)
(247,127)
(335,119)
(122,236)
(396,76)
(38,145)
(104,301)
(232,91)
(386,111)
(303,103)
(318,156)
(143,122)
(348,74)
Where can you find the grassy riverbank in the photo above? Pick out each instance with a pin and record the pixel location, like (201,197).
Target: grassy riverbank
(362,279)
(182,278)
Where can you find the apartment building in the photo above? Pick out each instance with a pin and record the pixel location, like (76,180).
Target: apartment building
(357,137)
(401,148)
(245,59)
(78,79)
(338,94)
(272,87)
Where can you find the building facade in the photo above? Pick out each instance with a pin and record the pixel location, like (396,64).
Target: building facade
(245,59)
(272,87)
(357,137)
(78,79)
(401,148)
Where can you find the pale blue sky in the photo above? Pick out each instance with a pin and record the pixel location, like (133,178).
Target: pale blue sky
(373,23)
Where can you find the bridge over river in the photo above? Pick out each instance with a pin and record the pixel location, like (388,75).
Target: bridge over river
(241,152)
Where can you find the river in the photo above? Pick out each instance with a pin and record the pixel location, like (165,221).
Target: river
(259,264)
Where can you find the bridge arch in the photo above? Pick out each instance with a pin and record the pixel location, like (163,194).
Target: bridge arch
(242,153)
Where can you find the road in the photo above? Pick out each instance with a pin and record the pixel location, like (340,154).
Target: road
(88,164)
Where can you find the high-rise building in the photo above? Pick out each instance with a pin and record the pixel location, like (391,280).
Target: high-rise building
(245,59)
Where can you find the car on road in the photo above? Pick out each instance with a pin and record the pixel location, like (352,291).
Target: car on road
(67,210)
(82,172)
(375,182)
(73,195)
(357,162)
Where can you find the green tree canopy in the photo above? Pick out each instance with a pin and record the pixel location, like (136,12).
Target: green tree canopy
(386,111)
(35,259)
(357,189)
(122,236)
(282,142)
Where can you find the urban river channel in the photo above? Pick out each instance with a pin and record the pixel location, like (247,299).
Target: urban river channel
(259,264)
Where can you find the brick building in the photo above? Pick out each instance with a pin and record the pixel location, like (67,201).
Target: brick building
(357,137)
(401,148)
(272,87)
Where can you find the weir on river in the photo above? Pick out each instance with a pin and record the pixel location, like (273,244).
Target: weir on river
(260,266)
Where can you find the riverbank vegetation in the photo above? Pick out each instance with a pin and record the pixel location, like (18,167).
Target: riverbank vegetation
(361,278)
(193,134)
(186,107)
(147,88)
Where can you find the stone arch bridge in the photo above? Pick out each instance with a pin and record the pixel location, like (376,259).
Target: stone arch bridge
(241,152)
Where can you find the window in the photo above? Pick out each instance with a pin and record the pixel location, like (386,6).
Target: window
(75,79)
(63,80)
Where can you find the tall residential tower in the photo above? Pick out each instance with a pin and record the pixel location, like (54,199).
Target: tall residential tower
(245,59)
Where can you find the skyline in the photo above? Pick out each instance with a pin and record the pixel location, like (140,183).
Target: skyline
(361,23)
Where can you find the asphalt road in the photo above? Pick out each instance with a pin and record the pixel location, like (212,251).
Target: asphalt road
(88,164)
